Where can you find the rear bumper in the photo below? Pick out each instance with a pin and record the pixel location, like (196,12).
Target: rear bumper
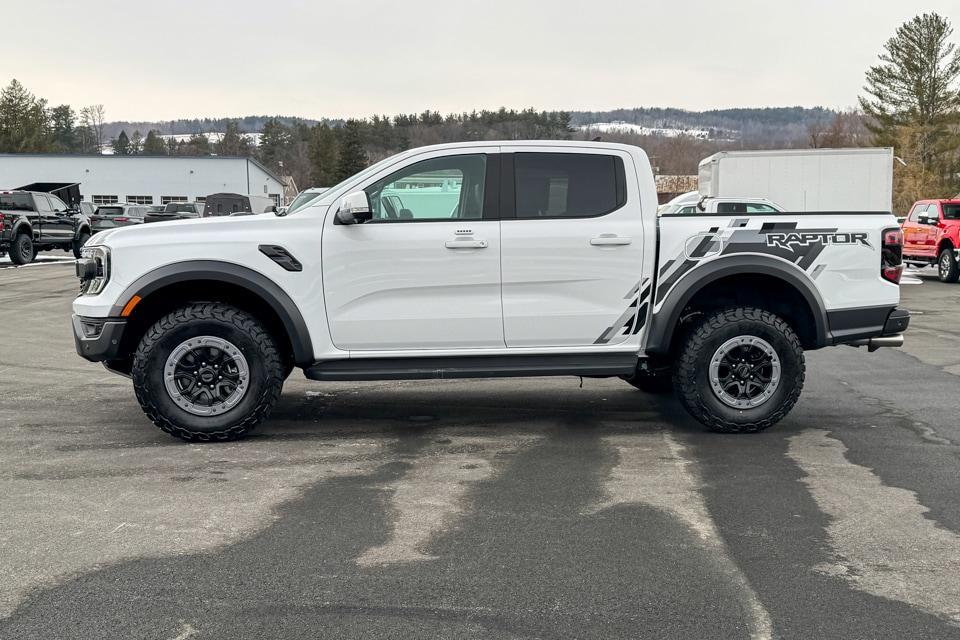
(98,339)
(873,327)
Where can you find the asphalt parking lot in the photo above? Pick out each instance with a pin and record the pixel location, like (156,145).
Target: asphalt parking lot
(529,508)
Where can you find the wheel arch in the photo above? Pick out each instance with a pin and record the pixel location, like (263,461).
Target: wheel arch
(784,281)
(191,281)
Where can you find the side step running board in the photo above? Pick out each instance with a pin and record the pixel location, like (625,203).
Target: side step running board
(585,364)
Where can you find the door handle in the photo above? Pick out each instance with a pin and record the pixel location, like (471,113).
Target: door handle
(609,239)
(465,244)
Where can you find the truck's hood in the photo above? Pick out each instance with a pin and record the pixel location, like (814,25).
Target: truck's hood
(162,232)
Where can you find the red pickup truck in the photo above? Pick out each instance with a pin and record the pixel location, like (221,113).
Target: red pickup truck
(931,235)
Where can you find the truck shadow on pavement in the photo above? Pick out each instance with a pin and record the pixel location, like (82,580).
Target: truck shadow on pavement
(531,546)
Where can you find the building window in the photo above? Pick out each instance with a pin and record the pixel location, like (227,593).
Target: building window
(139,199)
(169,199)
(105,199)
(276,199)
(201,199)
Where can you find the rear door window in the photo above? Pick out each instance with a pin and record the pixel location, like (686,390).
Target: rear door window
(951,211)
(43,205)
(16,202)
(568,185)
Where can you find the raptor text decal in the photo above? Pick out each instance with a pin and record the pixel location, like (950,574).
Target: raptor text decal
(792,239)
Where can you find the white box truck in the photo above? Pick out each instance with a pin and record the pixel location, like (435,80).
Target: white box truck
(803,179)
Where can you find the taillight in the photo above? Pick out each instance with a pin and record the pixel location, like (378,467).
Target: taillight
(121,219)
(2,218)
(891,255)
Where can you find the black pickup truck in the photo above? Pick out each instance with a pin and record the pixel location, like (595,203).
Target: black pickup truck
(32,221)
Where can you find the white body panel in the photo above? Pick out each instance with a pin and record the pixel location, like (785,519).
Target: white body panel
(536,286)
(803,179)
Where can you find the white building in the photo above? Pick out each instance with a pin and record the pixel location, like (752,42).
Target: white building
(142,179)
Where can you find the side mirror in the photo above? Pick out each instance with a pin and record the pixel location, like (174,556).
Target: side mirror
(927,219)
(354,208)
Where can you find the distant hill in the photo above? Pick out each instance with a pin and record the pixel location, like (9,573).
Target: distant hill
(768,126)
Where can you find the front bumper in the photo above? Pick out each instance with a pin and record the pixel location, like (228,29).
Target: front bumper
(98,339)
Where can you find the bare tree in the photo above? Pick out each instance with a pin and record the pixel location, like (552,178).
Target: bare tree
(92,119)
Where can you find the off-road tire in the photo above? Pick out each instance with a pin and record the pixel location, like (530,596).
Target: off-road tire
(947,268)
(692,378)
(22,250)
(209,319)
(652,377)
(79,242)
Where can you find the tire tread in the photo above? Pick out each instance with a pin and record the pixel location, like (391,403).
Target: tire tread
(227,314)
(687,363)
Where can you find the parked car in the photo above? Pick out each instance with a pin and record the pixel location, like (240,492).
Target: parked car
(303,199)
(175,211)
(510,259)
(229,204)
(693,202)
(110,216)
(931,235)
(34,221)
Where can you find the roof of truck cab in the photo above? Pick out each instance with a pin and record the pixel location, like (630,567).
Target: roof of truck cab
(527,143)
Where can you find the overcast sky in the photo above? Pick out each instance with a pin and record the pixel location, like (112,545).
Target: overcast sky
(335,58)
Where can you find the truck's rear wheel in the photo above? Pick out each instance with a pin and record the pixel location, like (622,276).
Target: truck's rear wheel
(22,250)
(207,372)
(947,268)
(740,370)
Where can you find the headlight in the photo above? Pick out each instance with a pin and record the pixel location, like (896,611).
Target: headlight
(93,269)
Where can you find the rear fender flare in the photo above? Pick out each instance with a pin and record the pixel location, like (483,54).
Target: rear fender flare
(665,321)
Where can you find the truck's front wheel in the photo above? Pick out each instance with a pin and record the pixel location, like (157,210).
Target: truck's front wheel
(207,372)
(740,370)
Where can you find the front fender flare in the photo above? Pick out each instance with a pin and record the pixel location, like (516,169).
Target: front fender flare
(665,321)
(254,282)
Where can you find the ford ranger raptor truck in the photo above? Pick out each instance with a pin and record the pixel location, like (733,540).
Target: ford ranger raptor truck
(486,259)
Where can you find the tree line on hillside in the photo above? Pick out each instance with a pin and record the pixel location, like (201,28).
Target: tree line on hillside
(911,103)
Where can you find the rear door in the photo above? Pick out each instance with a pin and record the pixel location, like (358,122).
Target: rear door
(572,247)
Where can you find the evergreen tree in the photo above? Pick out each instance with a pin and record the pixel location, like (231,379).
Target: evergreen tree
(233,143)
(121,144)
(275,137)
(324,156)
(63,129)
(914,87)
(24,125)
(353,157)
(197,145)
(136,143)
(153,144)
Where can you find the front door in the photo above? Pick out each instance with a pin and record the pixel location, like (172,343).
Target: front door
(572,247)
(62,223)
(424,273)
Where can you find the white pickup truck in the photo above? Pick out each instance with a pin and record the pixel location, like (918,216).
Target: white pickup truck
(485,259)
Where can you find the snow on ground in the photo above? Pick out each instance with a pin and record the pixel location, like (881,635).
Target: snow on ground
(41,260)
(626,127)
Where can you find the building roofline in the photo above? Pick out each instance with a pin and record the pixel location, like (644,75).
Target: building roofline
(100,156)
